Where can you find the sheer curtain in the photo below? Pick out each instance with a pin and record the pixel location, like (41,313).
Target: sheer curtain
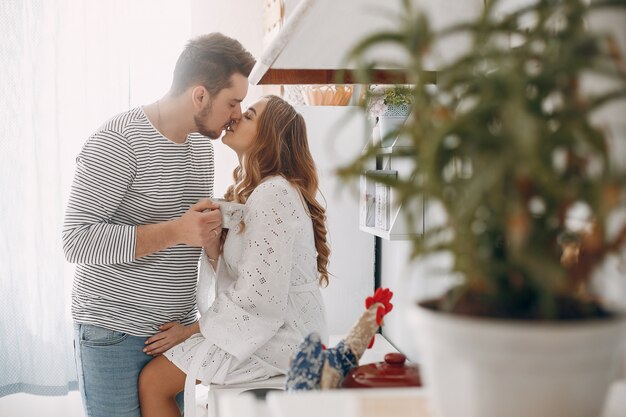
(65,67)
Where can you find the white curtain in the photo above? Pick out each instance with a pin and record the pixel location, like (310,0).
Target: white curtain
(66,66)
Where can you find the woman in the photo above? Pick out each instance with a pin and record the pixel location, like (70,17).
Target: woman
(267,271)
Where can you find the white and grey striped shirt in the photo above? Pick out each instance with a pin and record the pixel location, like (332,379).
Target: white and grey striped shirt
(128,174)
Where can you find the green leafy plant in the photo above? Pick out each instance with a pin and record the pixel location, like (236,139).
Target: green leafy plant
(398,95)
(505,146)
(378,97)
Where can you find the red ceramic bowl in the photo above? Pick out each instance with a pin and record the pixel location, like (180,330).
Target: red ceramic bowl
(393,372)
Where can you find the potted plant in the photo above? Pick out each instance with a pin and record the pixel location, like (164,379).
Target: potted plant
(390,105)
(509,147)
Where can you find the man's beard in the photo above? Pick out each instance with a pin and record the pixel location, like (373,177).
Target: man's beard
(201,127)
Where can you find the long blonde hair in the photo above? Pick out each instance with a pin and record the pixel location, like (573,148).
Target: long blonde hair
(281,148)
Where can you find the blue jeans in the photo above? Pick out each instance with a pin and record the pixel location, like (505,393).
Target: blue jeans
(108,364)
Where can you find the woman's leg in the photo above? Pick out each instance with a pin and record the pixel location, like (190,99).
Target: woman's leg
(159,382)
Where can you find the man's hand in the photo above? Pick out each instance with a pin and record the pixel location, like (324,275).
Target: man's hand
(170,335)
(201,225)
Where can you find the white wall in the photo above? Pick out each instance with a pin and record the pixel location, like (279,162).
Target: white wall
(409,281)
(242,20)
(335,137)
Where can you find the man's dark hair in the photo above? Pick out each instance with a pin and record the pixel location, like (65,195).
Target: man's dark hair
(210,60)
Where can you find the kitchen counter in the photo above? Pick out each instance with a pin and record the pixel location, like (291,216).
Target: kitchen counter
(397,402)
(401,402)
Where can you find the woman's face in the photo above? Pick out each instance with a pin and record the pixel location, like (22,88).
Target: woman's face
(241,135)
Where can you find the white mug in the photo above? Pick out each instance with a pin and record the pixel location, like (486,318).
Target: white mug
(232,213)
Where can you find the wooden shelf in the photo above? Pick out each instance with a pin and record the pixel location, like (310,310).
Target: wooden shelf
(277,76)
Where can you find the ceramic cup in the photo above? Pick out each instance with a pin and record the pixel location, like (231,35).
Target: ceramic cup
(232,213)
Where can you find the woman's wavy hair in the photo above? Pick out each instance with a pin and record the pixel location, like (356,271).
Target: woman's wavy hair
(281,148)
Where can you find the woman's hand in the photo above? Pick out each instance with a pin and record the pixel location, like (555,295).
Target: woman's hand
(211,241)
(170,335)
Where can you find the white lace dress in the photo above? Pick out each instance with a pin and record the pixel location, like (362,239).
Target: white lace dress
(266,295)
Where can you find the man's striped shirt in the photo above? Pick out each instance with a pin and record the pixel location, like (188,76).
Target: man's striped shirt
(128,174)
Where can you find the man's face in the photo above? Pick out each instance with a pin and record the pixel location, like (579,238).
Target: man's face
(222,109)
(241,135)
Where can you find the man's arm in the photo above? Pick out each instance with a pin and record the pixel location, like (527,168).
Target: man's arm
(105,170)
(193,228)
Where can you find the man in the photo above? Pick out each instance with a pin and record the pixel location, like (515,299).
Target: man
(137,217)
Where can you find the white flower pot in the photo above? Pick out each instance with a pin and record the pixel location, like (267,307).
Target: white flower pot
(476,367)
(390,121)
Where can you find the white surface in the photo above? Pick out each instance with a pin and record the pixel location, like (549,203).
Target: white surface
(398,402)
(609,117)
(495,368)
(615,405)
(328,29)
(350,403)
(26,405)
(288,31)
(446,13)
(334,138)
(425,277)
